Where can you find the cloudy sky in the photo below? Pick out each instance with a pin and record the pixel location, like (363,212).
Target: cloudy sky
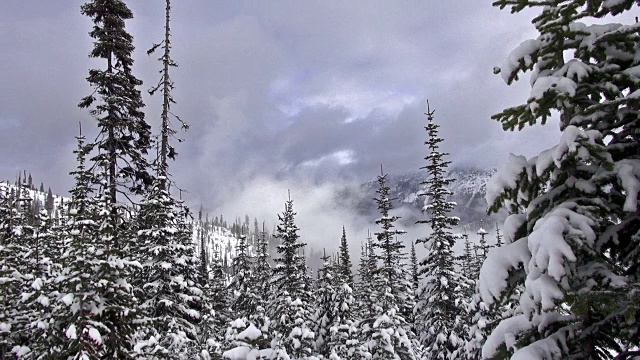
(279,94)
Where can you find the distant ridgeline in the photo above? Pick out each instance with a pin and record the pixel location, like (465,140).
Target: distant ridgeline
(468,188)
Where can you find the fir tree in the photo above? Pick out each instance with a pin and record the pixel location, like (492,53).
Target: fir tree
(390,334)
(15,271)
(261,279)
(324,296)
(166,292)
(574,255)
(114,315)
(366,292)
(76,306)
(438,307)
(288,307)
(499,241)
(344,261)
(218,304)
(124,134)
(244,300)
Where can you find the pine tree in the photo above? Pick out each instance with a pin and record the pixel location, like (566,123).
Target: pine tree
(288,307)
(244,301)
(249,335)
(124,134)
(390,334)
(219,298)
(261,280)
(365,291)
(499,241)
(574,256)
(344,261)
(415,285)
(36,298)
(343,339)
(75,307)
(246,341)
(166,292)
(439,307)
(16,271)
(7,264)
(480,252)
(113,308)
(49,203)
(324,296)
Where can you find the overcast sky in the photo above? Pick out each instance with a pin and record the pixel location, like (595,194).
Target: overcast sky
(279,94)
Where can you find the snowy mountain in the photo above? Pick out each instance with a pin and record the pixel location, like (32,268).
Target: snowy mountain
(468,187)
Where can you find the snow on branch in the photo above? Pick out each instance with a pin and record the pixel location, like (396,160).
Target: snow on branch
(495,269)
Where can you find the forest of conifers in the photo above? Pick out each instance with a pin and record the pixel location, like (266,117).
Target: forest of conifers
(121,269)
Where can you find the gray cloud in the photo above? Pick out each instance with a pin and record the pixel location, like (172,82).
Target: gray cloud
(293,93)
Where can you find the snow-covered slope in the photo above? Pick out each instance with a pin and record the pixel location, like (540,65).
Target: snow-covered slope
(38,198)
(218,241)
(468,187)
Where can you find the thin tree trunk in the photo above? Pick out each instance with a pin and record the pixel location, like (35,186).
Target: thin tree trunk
(165,95)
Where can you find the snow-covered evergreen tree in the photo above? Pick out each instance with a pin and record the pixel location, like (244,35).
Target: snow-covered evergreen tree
(574,253)
(289,305)
(439,305)
(218,314)
(262,272)
(344,261)
(7,265)
(16,276)
(76,304)
(246,341)
(166,294)
(390,335)
(323,301)
(243,302)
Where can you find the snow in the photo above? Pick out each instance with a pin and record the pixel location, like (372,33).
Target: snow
(71,332)
(67,299)
(522,53)
(547,241)
(496,267)
(511,225)
(569,143)
(20,351)
(576,69)
(37,284)
(250,333)
(237,353)
(4,327)
(560,84)
(612,3)
(94,335)
(628,172)
(504,333)
(505,177)
(43,300)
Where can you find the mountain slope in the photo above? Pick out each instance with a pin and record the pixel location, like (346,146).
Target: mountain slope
(468,187)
